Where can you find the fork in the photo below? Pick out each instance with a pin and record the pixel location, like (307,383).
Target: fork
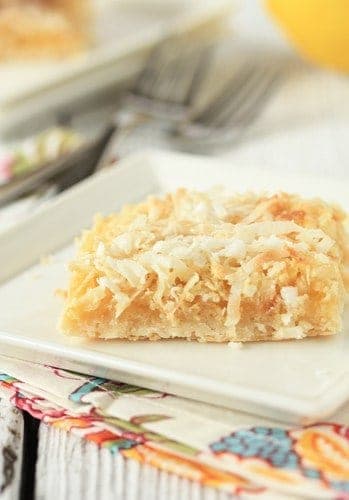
(165,88)
(227,117)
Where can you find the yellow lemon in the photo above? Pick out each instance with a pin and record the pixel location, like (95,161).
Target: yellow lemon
(319,28)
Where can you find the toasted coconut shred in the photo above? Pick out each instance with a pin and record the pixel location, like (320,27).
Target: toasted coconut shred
(210,267)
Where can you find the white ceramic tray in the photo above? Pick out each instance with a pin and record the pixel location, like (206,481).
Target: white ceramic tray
(298,381)
(124,31)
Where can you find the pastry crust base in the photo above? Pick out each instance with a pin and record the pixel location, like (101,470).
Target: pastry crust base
(210,268)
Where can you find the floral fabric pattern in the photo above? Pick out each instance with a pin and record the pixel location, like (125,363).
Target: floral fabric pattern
(264,461)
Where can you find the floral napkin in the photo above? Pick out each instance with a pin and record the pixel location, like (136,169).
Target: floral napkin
(245,455)
(28,155)
(36,150)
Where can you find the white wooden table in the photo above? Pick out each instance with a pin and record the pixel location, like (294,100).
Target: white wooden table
(38,461)
(306,127)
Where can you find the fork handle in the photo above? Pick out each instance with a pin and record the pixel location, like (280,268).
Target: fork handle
(123,122)
(83,169)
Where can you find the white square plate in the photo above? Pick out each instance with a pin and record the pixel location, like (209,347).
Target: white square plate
(124,31)
(298,381)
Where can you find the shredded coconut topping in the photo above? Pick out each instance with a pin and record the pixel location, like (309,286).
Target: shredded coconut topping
(190,255)
(289,295)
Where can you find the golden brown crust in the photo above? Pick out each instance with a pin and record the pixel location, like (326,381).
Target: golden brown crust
(210,267)
(43,28)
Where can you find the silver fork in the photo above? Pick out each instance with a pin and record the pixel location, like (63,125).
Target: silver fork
(165,87)
(227,117)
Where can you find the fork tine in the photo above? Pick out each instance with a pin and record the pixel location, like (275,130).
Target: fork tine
(231,125)
(160,62)
(172,74)
(171,84)
(201,68)
(231,91)
(188,72)
(237,111)
(150,70)
(255,107)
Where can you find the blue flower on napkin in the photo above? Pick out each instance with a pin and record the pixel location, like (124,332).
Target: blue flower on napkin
(270,444)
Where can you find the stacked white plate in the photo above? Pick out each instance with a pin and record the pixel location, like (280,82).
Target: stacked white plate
(124,31)
(296,381)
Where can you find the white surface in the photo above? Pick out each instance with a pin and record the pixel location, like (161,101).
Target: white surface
(124,30)
(312,375)
(77,470)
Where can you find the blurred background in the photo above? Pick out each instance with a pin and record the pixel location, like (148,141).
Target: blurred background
(85,83)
